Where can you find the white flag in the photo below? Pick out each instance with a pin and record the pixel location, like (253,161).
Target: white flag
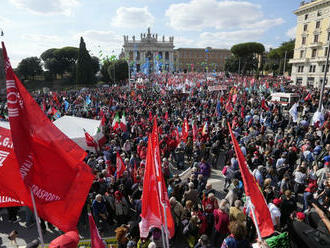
(294,112)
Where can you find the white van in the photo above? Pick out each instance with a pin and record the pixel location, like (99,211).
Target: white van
(284,98)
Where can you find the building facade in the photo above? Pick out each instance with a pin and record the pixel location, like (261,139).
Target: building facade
(149,53)
(200,59)
(311,46)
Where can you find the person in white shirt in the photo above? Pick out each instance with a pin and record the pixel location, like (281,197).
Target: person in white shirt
(275,212)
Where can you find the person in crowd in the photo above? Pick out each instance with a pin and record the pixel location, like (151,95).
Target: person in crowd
(237,237)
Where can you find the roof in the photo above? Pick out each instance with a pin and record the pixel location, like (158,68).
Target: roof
(311,4)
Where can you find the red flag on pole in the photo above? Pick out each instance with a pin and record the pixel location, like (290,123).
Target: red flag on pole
(154,196)
(308,97)
(166,116)
(49,162)
(194,129)
(90,140)
(120,166)
(264,220)
(185,130)
(263,105)
(96,240)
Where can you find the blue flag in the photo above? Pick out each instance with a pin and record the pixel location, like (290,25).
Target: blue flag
(218,108)
(88,100)
(66,105)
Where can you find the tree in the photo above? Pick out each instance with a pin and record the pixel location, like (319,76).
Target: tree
(59,61)
(84,73)
(275,58)
(118,70)
(29,67)
(246,54)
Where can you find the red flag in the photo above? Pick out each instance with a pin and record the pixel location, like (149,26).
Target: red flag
(194,131)
(103,120)
(49,162)
(154,196)
(242,112)
(150,116)
(264,220)
(56,99)
(166,116)
(185,130)
(90,140)
(234,99)
(120,166)
(96,240)
(308,97)
(263,105)
(12,189)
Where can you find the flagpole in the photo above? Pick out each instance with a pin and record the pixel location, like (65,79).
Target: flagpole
(37,220)
(254,217)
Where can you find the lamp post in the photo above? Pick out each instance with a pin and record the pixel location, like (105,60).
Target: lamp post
(284,64)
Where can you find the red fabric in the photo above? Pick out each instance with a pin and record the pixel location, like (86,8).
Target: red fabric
(252,190)
(221,221)
(120,166)
(263,105)
(166,116)
(12,189)
(96,240)
(194,132)
(89,140)
(185,130)
(234,99)
(66,240)
(150,116)
(242,112)
(308,97)
(49,162)
(154,191)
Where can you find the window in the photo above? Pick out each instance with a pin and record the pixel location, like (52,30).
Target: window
(302,69)
(137,55)
(303,42)
(314,53)
(325,52)
(306,16)
(167,55)
(316,38)
(314,68)
(311,68)
(305,27)
(323,68)
(319,13)
(329,36)
(317,24)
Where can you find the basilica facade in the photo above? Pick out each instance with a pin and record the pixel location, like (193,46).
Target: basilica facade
(149,53)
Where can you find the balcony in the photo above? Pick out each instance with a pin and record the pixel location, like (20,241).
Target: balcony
(298,60)
(316,44)
(317,59)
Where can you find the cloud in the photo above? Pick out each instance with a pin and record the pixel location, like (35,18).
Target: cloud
(101,43)
(227,39)
(133,18)
(47,7)
(292,32)
(201,14)
(180,41)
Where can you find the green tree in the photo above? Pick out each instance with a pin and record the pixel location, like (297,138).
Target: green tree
(275,58)
(58,61)
(84,74)
(29,67)
(246,54)
(118,70)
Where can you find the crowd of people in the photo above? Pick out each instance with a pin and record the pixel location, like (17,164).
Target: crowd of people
(289,158)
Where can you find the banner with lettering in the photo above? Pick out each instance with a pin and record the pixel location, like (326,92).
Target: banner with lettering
(12,189)
(51,165)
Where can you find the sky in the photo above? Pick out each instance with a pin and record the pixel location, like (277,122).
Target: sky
(32,26)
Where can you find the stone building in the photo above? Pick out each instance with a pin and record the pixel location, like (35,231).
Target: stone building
(150,53)
(311,46)
(200,59)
